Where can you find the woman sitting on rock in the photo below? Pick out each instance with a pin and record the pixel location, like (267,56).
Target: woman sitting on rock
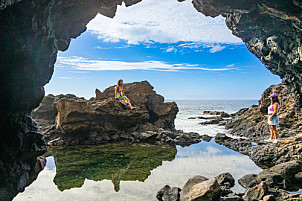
(273,119)
(119,94)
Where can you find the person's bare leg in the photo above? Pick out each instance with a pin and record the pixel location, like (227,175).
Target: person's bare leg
(271,131)
(131,107)
(275,132)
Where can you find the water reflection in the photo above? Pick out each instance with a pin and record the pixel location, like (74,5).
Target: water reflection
(113,162)
(154,165)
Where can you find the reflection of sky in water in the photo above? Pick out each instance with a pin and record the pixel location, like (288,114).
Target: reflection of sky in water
(206,158)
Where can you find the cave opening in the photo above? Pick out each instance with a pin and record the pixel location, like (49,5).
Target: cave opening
(175,54)
(29,50)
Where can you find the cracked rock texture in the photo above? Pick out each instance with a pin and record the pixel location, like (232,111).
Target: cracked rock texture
(32,32)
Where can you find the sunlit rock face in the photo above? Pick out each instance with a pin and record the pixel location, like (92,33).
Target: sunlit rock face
(32,32)
(270,29)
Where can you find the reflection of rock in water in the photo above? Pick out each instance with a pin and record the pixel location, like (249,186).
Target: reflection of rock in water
(75,164)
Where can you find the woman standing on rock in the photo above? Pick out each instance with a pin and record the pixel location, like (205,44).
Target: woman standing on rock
(119,94)
(273,119)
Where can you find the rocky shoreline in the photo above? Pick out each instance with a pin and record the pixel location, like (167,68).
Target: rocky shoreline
(281,162)
(70,120)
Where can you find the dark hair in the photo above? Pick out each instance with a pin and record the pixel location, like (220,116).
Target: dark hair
(119,82)
(275,99)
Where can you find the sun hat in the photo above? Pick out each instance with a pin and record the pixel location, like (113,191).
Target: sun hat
(273,95)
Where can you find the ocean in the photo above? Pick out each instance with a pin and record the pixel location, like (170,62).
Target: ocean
(136,173)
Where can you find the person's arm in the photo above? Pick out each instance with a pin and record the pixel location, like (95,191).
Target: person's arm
(115,94)
(275,106)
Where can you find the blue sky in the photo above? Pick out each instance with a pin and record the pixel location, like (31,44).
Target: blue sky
(182,53)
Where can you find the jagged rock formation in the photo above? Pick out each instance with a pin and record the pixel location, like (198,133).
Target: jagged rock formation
(69,120)
(32,31)
(47,27)
(21,145)
(253,122)
(270,29)
(270,183)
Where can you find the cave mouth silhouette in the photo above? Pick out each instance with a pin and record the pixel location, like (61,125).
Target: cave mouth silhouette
(31,49)
(79,52)
(32,32)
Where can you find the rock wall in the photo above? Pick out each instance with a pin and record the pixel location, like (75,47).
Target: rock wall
(32,32)
(21,144)
(270,29)
(253,122)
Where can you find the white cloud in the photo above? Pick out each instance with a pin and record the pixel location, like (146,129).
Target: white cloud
(80,63)
(231,65)
(171,49)
(161,21)
(216,48)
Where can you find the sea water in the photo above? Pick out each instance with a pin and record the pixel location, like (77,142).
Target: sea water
(136,172)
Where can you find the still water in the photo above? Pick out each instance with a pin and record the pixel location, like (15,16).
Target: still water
(121,172)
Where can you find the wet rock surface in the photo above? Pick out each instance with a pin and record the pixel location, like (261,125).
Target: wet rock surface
(21,144)
(213,117)
(29,48)
(69,120)
(168,194)
(258,187)
(252,122)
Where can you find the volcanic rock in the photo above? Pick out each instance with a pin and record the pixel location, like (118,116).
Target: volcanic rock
(102,120)
(255,193)
(185,192)
(168,194)
(248,181)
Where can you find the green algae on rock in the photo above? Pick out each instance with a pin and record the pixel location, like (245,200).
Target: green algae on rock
(105,162)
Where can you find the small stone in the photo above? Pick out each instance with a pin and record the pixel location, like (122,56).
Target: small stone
(226,180)
(248,181)
(168,194)
(206,138)
(255,193)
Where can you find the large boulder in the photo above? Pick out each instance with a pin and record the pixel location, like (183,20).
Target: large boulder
(200,188)
(185,192)
(69,120)
(144,97)
(206,190)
